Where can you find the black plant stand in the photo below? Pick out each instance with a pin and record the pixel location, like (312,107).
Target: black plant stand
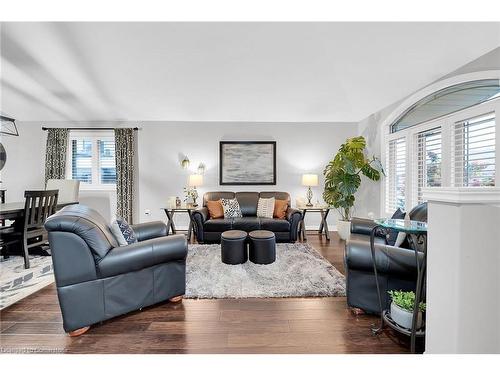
(417,237)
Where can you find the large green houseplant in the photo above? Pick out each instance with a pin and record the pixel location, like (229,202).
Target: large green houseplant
(343,179)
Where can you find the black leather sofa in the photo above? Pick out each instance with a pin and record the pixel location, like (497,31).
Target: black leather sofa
(396,266)
(97,280)
(209,230)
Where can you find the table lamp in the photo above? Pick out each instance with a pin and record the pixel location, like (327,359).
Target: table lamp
(309,180)
(195,180)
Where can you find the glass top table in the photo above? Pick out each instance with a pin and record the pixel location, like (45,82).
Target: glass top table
(406,226)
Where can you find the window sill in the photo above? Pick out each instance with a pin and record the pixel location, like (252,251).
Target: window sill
(103,189)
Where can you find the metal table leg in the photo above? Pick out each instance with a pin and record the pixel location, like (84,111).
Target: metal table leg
(376,330)
(323,227)
(170,223)
(414,240)
(304,237)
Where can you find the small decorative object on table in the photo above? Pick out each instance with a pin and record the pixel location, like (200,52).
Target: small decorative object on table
(309,180)
(416,232)
(178,202)
(195,180)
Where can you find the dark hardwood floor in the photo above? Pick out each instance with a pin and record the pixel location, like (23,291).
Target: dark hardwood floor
(272,325)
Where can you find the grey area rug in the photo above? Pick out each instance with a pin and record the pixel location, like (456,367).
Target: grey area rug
(299,271)
(16,282)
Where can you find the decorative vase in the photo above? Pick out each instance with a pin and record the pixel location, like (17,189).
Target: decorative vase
(403,317)
(344,229)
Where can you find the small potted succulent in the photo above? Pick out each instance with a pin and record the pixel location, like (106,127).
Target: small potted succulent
(402,308)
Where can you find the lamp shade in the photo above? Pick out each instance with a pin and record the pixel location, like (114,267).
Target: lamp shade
(195,180)
(310,180)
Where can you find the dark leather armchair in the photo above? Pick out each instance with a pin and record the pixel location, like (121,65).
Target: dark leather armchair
(396,266)
(209,230)
(97,280)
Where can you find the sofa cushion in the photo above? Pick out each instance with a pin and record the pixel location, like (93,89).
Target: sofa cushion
(246,223)
(231,208)
(280,207)
(215,209)
(218,225)
(265,208)
(248,202)
(275,225)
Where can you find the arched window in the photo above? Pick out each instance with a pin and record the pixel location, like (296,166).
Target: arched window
(447,138)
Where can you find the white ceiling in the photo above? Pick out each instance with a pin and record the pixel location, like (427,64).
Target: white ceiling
(226,71)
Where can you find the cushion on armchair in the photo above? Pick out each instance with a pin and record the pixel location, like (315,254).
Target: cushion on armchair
(123,232)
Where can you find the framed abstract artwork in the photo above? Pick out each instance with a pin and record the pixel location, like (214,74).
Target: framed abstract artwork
(247,163)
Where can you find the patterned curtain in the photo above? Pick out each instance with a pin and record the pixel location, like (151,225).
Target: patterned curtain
(124,151)
(55,154)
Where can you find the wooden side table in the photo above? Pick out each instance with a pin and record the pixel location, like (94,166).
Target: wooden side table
(170,211)
(323,227)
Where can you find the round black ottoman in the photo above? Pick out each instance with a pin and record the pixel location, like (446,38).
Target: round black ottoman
(262,247)
(233,247)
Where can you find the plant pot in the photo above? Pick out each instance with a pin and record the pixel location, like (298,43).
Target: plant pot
(403,317)
(344,229)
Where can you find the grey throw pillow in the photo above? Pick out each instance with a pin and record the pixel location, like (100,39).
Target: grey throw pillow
(231,208)
(123,232)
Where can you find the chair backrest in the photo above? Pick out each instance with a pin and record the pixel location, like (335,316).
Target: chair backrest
(38,206)
(68,189)
(87,224)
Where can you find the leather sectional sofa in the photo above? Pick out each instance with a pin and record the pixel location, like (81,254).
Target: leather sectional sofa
(209,230)
(396,266)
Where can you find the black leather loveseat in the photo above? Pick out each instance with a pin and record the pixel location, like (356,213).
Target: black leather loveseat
(396,266)
(209,230)
(97,280)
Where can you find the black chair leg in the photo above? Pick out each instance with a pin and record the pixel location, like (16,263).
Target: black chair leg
(26,253)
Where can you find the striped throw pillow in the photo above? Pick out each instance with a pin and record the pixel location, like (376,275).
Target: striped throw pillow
(265,208)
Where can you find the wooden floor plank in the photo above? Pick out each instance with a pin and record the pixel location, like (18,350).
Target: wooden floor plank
(251,325)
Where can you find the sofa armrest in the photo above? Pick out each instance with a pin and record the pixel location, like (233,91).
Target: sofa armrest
(294,216)
(199,217)
(144,254)
(363,226)
(147,231)
(390,260)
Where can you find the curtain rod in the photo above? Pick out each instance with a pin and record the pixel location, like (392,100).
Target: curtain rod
(44,128)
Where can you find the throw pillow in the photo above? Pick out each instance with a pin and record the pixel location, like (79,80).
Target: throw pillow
(393,234)
(215,209)
(123,232)
(280,207)
(265,207)
(231,208)
(401,235)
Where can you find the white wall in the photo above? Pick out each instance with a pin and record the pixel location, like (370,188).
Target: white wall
(301,148)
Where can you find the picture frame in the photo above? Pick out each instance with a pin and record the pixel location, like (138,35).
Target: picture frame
(247,163)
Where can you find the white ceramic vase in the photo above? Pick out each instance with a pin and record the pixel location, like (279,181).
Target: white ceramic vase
(344,229)
(404,318)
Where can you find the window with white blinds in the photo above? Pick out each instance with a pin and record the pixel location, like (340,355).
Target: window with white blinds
(429,160)
(474,155)
(81,160)
(92,159)
(396,174)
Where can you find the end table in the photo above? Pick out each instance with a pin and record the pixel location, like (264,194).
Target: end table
(416,232)
(323,227)
(170,211)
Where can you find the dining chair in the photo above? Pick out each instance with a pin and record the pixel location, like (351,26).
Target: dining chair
(38,206)
(69,190)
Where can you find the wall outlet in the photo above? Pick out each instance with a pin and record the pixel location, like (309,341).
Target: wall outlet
(147,212)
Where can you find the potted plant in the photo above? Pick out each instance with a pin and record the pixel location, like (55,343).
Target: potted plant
(343,179)
(402,306)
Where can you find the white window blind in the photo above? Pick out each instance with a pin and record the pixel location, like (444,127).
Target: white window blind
(107,165)
(396,174)
(474,155)
(429,161)
(81,160)
(91,159)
